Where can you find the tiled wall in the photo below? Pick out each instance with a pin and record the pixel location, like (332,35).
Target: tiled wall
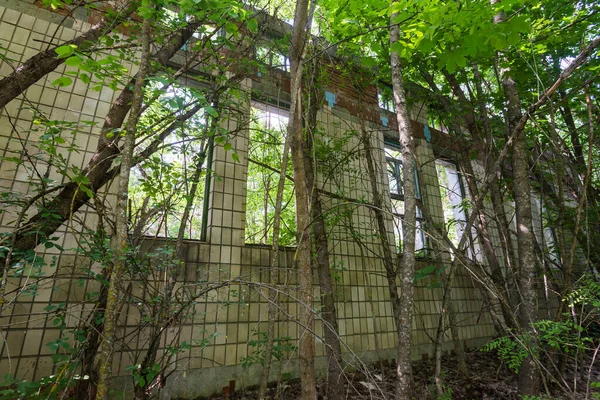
(231,315)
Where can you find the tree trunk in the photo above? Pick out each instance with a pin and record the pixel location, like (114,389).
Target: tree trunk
(383,234)
(565,111)
(107,347)
(333,348)
(162,315)
(507,303)
(529,381)
(47,61)
(404,383)
(86,389)
(306,350)
(273,271)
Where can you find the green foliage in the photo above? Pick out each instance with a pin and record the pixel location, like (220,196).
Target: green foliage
(585,294)
(565,336)
(596,393)
(267,135)
(143,376)
(281,347)
(56,4)
(337,269)
(50,387)
(160,185)
(511,351)
(430,271)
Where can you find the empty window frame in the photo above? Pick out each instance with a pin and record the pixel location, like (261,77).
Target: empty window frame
(454,206)
(266,140)
(393,159)
(160,184)
(546,238)
(385,99)
(273,58)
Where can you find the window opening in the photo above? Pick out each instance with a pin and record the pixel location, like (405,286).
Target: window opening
(393,158)
(454,206)
(266,141)
(273,58)
(385,99)
(436,123)
(160,184)
(548,239)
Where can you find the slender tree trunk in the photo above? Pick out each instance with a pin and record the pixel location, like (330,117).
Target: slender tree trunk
(529,380)
(528,374)
(481,224)
(333,348)
(495,191)
(162,311)
(447,278)
(405,380)
(266,208)
(567,115)
(461,359)
(389,264)
(446,309)
(85,389)
(47,61)
(273,271)
(507,303)
(306,343)
(107,347)
(506,242)
(559,184)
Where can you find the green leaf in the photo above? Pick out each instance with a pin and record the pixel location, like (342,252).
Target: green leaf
(65,51)
(73,61)
(87,191)
(211,111)
(62,81)
(368,62)
(253,25)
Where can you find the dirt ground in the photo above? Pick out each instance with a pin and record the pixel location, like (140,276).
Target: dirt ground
(489,378)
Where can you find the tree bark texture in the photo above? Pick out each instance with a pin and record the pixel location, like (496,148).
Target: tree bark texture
(404,383)
(333,348)
(273,271)
(389,263)
(306,350)
(529,380)
(107,347)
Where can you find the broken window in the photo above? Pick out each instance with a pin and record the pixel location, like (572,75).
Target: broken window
(393,158)
(267,135)
(454,206)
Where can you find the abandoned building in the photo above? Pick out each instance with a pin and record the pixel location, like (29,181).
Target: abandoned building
(230,242)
